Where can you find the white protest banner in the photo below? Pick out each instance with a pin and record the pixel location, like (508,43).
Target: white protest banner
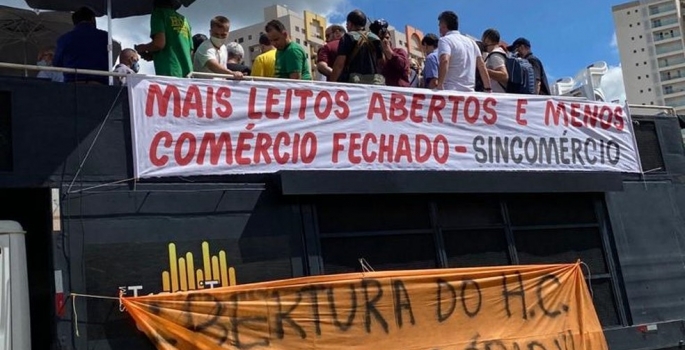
(187,127)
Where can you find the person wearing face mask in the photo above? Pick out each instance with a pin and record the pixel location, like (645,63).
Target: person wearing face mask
(45,60)
(128,64)
(212,55)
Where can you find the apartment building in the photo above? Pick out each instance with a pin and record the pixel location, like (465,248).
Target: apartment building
(650,43)
(308,29)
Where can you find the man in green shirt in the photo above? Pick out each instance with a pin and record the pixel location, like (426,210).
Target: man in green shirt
(291,59)
(171,43)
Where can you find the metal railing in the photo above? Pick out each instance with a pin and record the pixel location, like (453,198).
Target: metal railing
(25,67)
(62,70)
(249,77)
(201,75)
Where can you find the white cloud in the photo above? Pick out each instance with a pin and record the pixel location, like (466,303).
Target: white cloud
(614,44)
(135,30)
(612,85)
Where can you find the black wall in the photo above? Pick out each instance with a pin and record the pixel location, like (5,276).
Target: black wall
(651,248)
(121,238)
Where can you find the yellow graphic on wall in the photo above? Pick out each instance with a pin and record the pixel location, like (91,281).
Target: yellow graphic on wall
(182,275)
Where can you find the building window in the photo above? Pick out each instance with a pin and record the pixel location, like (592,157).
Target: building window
(643,49)
(651,102)
(637,64)
(240,40)
(628,13)
(634,51)
(297,29)
(641,91)
(632,38)
(249,37)
(646,76)
(298,41)
(645,63)
(650,89)
(638,23)
(630,25)
(306,43)
(640,36)
(638,77)
(304,31)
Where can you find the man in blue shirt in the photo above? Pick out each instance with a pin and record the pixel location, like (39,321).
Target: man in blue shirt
(84,47)
(432,64)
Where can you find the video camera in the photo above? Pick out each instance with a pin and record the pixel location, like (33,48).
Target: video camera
(380,28)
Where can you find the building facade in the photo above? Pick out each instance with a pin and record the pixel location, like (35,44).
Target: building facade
(308,29)
(652,50)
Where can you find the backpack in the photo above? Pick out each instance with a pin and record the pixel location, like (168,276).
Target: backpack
(364,39)
(521,75)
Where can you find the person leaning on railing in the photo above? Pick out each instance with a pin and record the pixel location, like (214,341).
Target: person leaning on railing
(212,55)
(291,59)
(128,64)
(235,58)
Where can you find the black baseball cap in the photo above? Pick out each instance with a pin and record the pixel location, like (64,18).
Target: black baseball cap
(518,42)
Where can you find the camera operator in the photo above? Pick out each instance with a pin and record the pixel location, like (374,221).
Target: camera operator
(395,62)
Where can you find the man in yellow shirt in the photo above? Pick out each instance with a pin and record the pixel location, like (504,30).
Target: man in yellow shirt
(264,64)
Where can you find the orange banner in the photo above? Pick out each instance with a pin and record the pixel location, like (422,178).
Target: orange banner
(537,307)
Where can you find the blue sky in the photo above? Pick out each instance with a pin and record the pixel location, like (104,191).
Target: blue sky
(565,35)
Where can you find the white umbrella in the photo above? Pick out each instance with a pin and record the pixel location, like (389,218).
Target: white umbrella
(111,8)
(24,33)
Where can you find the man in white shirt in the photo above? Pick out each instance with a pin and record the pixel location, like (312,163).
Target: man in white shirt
(495,61)
(459,57)
(212,55)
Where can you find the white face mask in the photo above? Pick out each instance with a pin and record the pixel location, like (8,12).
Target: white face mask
(218,41)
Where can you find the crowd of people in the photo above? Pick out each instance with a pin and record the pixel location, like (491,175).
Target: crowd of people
(357,53)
